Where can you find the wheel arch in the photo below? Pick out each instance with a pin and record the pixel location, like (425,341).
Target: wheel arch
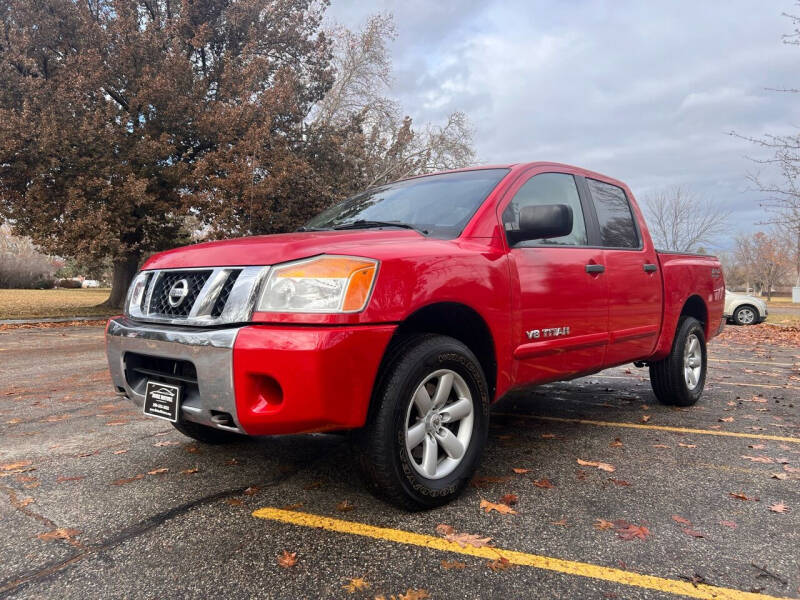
(455,320)
(695,307)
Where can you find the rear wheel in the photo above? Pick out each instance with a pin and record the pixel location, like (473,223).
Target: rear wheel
(745,315)
(206,434)
(428,425)
(680,378)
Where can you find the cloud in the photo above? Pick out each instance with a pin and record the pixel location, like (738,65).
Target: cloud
(646,92)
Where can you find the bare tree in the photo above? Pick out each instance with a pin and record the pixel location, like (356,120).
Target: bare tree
(393,148)
(681,221)
(764,258)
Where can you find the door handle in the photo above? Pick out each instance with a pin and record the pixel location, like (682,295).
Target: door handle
(595,268)
(649,268)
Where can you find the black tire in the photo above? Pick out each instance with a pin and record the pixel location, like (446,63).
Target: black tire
(746,315)
(206,434)
(667,376)
(390,469)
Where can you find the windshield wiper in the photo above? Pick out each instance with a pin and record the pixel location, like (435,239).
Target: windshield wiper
(365,224)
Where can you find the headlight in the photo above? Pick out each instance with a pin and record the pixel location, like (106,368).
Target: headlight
(136,291)
(326,284)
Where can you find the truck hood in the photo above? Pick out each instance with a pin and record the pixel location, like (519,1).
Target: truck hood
(279,248)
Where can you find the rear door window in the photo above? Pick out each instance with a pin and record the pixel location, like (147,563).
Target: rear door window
(617,225)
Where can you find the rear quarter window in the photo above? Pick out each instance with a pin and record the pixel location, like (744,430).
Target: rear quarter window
(617,225)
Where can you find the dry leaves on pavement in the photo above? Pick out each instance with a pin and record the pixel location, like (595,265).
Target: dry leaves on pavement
(462,539)
(600,465)
(287,559)
(629,531)
(503,509)
(779,507)
(499,564)
(356,584)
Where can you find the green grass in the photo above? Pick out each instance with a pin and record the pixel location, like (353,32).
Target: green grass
(31,304)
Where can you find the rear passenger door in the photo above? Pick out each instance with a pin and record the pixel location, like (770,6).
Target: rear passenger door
(631,269)
(560,301)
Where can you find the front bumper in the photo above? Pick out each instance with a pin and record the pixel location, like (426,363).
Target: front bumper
(255,379)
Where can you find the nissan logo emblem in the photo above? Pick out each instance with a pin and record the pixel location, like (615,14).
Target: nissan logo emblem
(178,291)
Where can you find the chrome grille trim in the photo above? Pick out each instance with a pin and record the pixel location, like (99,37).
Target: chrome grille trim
(242,295)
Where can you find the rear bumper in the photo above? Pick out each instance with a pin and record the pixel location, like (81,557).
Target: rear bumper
(255,379)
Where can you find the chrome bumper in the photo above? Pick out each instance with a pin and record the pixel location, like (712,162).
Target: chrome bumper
(210,351)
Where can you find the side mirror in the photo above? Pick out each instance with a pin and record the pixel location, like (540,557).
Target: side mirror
(544,221)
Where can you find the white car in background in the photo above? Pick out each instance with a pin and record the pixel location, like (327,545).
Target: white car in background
(90,283)
(742,309)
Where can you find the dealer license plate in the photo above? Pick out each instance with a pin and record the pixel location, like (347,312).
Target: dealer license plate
(162,400)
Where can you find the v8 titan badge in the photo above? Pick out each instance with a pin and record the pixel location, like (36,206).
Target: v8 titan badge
(162,400)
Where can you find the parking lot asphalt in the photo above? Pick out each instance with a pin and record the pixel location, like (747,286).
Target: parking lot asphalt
(616,495)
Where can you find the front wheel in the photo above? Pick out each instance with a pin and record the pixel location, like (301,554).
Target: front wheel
(680,378)
(429,423)
(745,315)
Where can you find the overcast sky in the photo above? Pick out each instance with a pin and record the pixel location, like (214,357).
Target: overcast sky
(642,91)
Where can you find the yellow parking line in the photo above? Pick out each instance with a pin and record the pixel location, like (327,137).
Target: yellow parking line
(759,385)
(568,567)
(757,436)
(752,362)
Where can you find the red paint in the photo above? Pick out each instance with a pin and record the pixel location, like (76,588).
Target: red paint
(322,367)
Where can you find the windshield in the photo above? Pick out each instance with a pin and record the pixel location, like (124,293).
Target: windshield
(436,205)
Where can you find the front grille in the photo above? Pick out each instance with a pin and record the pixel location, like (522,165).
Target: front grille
(224,294)
(160,298)
(141,368)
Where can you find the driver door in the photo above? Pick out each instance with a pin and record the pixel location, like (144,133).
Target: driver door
(560,302)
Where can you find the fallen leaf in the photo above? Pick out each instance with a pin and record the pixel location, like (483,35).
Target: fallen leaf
(345,506)
(660,446)
(412,594)
(251,491)
(757,399)
(452,564)
(75,478)
(503,509)
(740,496)
(58,534)
(443,529)
(120,451)
(543,483)
(682,445)
(160,471)
(691,532)
(356,584)
(499,564)
(192,449)
(548,436)
(190,471)
(779,507)
(780,476)
(617,443)
(726,420)
(166,443)
(13,421)
(602,524)
(645,418)
(24,502)
(509,499)
(521,471)
(759,459)
(730,524)
(114,423)
(234,501)
(561,523)
(620,482)
(287,559)
(462,539)
(128,479)
(15,465)
(600,465)
(757,446)
(681,520)
(629,531)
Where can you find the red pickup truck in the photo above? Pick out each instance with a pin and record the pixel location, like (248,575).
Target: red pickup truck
(402,313)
